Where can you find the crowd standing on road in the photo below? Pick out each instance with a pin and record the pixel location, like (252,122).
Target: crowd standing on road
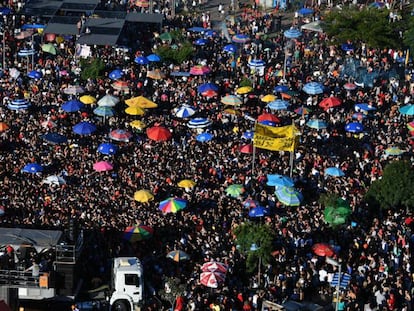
(376,251)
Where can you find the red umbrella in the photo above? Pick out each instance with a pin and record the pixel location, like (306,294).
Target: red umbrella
(158,133)
(199,70)
(247,149)
(212,279)
(268,117)
(214,266)
(120,135)
(209,93)
(330,102)
(323,249)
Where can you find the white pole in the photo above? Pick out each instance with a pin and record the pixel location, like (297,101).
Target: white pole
(338,287)
(258,273)
(3,49)
(253,157)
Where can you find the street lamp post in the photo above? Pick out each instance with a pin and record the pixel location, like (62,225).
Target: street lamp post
(335,263)
(255,248)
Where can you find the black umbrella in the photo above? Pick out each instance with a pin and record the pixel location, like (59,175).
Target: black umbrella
(54,138)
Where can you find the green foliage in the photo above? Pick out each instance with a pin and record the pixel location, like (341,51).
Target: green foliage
(259,234)
(328,199)
(409,34)
(173,288)
(395,189)
(184,51)
(368,25)
(92,68)
(246,82)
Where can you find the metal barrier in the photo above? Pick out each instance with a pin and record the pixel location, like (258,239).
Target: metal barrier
(16,279)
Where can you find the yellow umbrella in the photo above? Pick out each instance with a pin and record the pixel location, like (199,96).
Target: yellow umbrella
(186,183)
(268,98)
(141,102)
(135,111)
(87,99)
(155,74)
(244,90)
(143,196)
(232,111)
(137,124)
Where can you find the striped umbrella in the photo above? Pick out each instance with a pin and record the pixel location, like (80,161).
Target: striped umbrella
(185,111)
(198,123)
(231,100)
(278,104)
(178,255)
(288,196)
(313,88)
(172,205)
(292,33)
(317,124)
(138,233)
(240,38)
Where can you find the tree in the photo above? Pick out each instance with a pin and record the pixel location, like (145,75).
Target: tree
(92,68)
(172,290)
(370,26)
(262,235)
(395,189)
(182,52)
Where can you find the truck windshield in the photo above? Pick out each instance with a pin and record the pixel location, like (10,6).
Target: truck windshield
(132,279)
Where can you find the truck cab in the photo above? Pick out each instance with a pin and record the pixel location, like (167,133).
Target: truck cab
(127,284)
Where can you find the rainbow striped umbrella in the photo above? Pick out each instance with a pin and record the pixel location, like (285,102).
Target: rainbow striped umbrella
(172,205)
(138,233)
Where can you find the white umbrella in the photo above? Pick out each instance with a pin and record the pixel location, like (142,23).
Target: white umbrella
(54,180)
(108,101)
(14,73)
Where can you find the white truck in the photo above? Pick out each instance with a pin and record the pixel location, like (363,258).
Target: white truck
(127,284)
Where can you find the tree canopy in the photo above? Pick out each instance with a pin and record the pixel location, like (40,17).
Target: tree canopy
(395,189)
(260,234)
(369,25)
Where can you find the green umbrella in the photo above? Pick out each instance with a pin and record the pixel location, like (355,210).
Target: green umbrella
(166,36)
(234,190)
(338,214)
(49,48)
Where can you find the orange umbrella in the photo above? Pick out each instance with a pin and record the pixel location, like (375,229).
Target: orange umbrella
(268,117)
(323,249)
(142,3)
(158,133)
(3,127)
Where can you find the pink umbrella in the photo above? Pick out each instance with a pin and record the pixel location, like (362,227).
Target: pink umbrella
(212,279)
(48,124)
(102,166)
(214,266)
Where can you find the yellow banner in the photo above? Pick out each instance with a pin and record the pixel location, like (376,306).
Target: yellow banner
(282,138)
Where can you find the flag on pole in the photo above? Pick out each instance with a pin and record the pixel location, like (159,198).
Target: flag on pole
(282,138)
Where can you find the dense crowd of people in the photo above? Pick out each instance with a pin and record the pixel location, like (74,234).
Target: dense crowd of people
(375,250)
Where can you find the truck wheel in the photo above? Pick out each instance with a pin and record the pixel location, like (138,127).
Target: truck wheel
(120,305)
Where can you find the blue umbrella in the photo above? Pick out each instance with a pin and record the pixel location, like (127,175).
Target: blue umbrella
(107,148)
(248,135)
(230,48)
(292,33)
(5,11)
(197,29)
(18,104)
(313,88)
(116,74)
(305,11)
(277,180)
(207,87)
(268,123)
(104,111)
(278,104)
(185,112)
(288,196)
(258,211)
(407,110)
(256,63)
(32,168)
(180,74)
(364,107)
(26,52)
(347,47)
(35,74)
(141,60)
(334,171)
(54,138)
(354,127)
(84,128)
(317,124)
(153,58)
(201,41)
(33,26)
(203,137)
(72,105)
(210,33)
(281,88)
